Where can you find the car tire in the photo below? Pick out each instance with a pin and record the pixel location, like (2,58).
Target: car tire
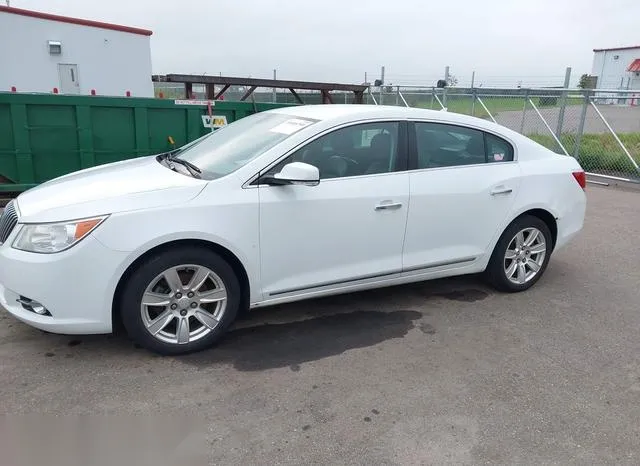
(169,320)
(513,258)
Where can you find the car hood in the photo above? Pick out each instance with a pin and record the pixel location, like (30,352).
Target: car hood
(117,187)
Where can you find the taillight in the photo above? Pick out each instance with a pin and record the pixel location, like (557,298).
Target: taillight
(581,178)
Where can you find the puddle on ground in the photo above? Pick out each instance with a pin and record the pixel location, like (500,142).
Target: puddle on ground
(292,344)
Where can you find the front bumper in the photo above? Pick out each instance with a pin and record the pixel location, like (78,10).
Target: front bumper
(76,286)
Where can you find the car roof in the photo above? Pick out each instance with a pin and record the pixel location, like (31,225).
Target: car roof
(348,112)
(331,111)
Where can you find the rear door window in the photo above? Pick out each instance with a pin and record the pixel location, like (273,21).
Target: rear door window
(441,145)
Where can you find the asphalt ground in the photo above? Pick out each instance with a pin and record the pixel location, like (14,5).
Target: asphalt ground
(443,372)
(623,119)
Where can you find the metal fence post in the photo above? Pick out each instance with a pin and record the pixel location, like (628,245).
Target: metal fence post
(524,110)
(397,95)
(473,100)
(563,102)
(583,117)
(444,89)
(433,95)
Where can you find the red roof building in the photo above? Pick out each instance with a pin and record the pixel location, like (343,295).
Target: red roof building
(617,68)
(67,55)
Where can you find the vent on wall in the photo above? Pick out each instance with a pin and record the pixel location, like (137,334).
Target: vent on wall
(55,47)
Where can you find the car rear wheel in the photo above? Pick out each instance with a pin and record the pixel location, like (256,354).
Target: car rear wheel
(521,255)
(180,301)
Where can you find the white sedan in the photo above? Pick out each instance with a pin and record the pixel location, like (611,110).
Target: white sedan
(280,206)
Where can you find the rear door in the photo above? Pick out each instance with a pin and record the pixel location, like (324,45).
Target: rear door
(463,183)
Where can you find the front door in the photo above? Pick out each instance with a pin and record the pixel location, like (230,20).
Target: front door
(69,82)
(349,227)
(463,185)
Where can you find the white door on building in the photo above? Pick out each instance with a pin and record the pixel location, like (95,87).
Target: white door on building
(69,82)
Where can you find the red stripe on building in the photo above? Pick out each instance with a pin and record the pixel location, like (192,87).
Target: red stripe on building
(67,19)
(617,48)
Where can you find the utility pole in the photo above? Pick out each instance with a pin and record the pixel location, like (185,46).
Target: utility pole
(473,78)
(274,89)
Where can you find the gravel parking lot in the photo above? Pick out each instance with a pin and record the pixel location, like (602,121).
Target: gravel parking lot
(436,373)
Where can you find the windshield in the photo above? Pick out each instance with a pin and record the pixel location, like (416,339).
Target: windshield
(231,147)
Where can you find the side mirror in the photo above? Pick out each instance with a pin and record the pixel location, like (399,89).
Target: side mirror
(295,173)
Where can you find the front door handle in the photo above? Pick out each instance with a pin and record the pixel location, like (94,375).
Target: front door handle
(501,190)
(388,205)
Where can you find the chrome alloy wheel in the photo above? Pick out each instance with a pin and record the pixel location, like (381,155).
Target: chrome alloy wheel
(525,255)
(183,304)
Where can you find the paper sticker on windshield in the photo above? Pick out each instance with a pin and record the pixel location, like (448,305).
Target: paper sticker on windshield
(290,126)
(498,157)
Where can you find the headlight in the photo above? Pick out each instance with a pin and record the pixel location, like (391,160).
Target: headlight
(47,238)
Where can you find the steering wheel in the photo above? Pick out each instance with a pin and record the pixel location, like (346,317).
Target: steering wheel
(339,166)
(348,159)
(347,164)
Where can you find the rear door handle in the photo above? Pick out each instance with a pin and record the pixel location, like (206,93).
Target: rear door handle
(501,190)
(388,205)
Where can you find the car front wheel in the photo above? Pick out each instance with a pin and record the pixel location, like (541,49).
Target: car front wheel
(180,301)
(521,255)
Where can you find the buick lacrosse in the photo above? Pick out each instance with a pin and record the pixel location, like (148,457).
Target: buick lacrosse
(284,205)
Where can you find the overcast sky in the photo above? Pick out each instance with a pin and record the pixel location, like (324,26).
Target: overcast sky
(504,41)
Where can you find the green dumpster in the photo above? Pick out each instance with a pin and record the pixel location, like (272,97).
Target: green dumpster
(43,136)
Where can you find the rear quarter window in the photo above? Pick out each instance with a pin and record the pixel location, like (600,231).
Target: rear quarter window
(498,150)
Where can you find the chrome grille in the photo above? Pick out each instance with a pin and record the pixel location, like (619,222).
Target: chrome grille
(8,221)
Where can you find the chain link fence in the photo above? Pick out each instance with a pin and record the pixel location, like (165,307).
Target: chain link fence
(601,129)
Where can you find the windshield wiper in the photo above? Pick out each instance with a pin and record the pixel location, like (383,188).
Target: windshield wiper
(171,160)
(171,153)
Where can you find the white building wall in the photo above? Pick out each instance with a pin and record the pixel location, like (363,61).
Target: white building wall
(109,61)
(612,72)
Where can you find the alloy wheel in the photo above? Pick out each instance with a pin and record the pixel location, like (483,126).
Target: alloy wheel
(183,304)
(525,255)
